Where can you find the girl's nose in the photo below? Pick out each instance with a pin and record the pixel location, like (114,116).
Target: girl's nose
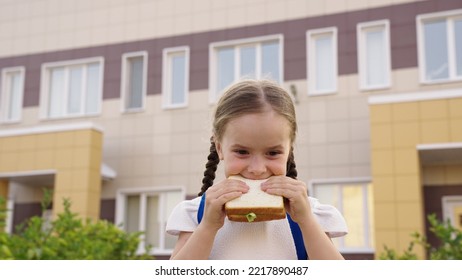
(257,166)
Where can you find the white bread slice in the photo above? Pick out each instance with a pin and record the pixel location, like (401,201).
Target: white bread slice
(265,206)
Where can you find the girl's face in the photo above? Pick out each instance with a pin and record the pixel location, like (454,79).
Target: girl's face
(255,146)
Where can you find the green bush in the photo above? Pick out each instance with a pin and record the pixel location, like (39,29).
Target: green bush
(450,247)
(67,238)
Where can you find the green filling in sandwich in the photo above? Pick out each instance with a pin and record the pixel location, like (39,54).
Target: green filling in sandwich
(251,217)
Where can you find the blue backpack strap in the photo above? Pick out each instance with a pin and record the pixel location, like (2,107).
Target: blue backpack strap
(200,211)
(298,239)
(294,228)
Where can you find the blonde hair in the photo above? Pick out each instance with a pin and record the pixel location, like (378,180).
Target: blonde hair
(249,97)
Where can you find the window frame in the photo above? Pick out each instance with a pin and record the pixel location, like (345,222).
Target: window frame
(5,94)
(214,94)
(364,181)
(45,86)
(167,77)
(144,192)
(449,17)
(310,63)
(124,81)
(361,29)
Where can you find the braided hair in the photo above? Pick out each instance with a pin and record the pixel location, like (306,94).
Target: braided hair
(210,168)
(248,97)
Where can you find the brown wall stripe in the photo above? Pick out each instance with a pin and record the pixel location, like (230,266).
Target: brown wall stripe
(403,45)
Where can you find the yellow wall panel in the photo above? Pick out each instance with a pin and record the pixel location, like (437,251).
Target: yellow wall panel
(455,107)
(410,215)
(96,158)
(399,213)
(63,158)
(44,159)
(10,144)
(63,179)
(26,161)
(385,215)
(80,179)
(95,180)
(65,139)
(8,162)
(387,238)
(406,161)
(382,162)
(380,114)
(407,111)
(81,157)
(46,140)
(83,138)
(406,134)
(434,109)
(434,132)
(27,142)
(96,139)
(75,155)
(408,188)
(455,129)
(381,136)
(384,189)
(80,201)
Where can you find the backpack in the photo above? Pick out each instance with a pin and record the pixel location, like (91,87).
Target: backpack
(294,228)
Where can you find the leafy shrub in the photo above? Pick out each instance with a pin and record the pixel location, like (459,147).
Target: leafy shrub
(67,238)
(450,247)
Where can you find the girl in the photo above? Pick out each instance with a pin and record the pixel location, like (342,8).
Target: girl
(253,135)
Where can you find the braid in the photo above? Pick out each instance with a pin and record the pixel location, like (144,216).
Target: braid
(210,168)
(291,167)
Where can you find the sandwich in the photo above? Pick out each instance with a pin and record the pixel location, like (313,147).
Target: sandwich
(255,205)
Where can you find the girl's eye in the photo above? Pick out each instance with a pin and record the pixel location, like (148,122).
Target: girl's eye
(274,153)
(241,152)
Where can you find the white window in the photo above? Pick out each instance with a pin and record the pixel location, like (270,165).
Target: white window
(374,54)
(440,46)
(72,88)
(134,81)
(353,198)
(147,210)
(12,92)
(322,60)
(256,58)
(175,77)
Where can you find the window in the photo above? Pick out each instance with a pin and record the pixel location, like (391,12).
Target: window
(147,210)
(134,78)
(248,58)
(374,54)
(175,77)
(72,88)
(12,92)
(322,60)
(440,46)
(353,198)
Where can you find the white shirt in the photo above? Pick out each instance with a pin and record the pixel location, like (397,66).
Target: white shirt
(260,240)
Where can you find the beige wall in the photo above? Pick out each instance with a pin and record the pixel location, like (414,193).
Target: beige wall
(48,25)
(161,147)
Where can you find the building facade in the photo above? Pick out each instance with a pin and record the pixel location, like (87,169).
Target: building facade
(109,103)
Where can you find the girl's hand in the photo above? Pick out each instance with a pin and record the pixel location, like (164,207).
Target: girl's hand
(295,194)
(215,199)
